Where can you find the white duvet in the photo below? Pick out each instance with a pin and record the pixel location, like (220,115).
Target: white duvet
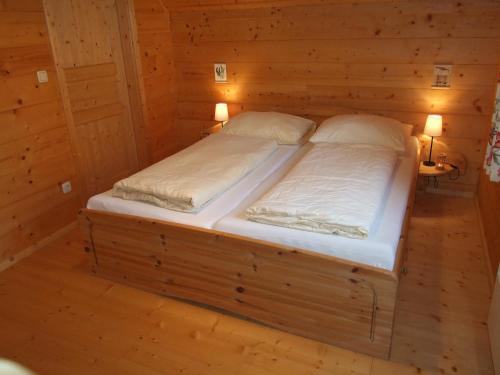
(334,189)
(189,179)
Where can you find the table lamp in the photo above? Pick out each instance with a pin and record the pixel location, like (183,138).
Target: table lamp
(433,128)
(221,113)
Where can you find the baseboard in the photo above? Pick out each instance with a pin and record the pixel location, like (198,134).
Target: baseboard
(45,241)
(486,253)
(451,193)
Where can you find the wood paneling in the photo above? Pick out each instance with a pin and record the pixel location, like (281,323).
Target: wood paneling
(294,310)
(100,123)
(35,151)
(319,58)
(131,63)
(87,44)
(157,77)
(489,205)
(323,298)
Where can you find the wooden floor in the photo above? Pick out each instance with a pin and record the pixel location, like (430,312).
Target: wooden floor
(56,318)
(445,297)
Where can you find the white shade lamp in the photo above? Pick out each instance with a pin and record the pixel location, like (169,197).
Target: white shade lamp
(433,128)
(221,113)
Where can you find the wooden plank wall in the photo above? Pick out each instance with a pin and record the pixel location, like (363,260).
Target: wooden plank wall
(98,115)
(35,150)
(319,58)
(86,38)
(489,207)
(158,77)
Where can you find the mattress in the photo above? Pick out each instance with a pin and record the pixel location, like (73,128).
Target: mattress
(213,211)
(378,249)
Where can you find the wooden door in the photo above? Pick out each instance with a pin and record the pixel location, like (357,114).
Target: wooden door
(85,37)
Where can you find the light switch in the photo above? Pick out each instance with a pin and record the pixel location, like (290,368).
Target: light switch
(42,76)
(66,187)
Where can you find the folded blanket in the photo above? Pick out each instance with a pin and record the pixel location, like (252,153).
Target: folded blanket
(189,179)
(334,189)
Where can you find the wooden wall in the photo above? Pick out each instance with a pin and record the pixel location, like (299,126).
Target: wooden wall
(154,45)
(489,207)
(87,44)
(312,58)
(489,204)
(319,58)
(35,150)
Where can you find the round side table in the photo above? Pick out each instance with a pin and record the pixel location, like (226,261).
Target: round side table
(433,172)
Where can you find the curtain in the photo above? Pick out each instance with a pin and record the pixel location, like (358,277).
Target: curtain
(492,161)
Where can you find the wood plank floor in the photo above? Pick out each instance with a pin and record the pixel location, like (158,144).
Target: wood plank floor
(56,318)
(445,297)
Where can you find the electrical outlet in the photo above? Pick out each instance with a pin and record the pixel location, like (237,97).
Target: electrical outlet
(66,187)
(42,76)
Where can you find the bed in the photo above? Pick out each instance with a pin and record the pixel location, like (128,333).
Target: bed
(288,280)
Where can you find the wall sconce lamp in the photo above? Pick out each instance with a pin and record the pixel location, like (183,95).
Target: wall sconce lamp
(221,113)
(433,128)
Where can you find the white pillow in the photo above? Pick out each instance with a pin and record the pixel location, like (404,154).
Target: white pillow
(408,129)
(283,128)
(363,129)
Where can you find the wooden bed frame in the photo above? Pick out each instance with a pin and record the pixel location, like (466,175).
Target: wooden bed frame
(322,297)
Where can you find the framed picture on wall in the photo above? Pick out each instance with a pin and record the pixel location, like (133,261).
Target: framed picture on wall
(442,76)
(220,72)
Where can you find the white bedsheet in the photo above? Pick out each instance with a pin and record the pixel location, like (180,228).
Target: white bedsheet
(378,249)
(334,189)
(192,177)
(213,211)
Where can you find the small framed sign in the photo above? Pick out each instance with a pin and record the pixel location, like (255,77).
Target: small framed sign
(441,78)
(220,72)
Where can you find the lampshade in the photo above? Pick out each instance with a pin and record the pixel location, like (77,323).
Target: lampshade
(434,126)
(221,112)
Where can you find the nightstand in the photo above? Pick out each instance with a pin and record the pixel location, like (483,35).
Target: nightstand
(433,172)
